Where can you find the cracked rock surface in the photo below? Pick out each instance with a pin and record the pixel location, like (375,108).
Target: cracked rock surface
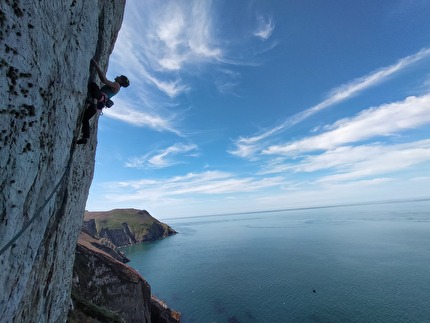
(45,52)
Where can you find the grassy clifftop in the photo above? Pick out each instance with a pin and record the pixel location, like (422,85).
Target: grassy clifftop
(142,226)
(136,219)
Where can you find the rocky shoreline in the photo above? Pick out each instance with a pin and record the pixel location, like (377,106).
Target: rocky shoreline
(113,225)
(104,288)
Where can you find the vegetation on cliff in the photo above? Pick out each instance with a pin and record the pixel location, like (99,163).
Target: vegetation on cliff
(104,288)
(125,226)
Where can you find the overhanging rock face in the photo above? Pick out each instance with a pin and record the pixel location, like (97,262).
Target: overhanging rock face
(45,50)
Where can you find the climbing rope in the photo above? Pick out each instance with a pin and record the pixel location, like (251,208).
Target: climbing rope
(39,211)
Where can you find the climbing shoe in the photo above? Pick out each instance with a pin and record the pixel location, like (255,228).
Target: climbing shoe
(82,141)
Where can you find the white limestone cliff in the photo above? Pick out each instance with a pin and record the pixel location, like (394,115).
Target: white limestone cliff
(45,51)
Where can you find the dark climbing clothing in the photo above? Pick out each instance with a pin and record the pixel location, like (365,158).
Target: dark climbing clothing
(94,91)
(89,113)
(82,141)
(102,96)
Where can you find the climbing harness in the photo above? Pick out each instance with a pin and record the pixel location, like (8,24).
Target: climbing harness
(104,101)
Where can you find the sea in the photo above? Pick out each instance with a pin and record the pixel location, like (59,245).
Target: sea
(362,263)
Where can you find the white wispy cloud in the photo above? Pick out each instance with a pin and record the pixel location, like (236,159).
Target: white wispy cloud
(179,42)
(344,192)
(330,152)
(227,81)
(160,43)
(370,162)
(152,57)
(355,162)
(200,193)
(141,118)
(385,120)
(205,183)
(265,27)
(171,88)
(247,146)
(157,42)
(162,158)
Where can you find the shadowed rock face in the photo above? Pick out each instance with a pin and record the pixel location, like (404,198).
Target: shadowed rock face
(90,227)
(102,245)
(117,291)
(119,237)
(108,283)
(45,50)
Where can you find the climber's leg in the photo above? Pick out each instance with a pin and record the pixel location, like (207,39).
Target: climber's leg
(89,113)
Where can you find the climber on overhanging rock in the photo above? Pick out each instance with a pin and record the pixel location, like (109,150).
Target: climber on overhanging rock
(102,96)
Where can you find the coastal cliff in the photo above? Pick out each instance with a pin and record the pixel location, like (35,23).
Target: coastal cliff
(45,50)
(124,227)
(105,289)
(102,280)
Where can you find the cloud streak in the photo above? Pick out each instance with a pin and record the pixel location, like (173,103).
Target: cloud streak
(162,158)
(356,162)
(188,186)
(376,161)
(157,42)
(247,146)
(265,27)
(161,45)
(385,120)
(141,118)
(330,153)
(179,42)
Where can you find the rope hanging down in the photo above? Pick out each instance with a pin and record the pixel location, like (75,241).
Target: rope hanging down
(39,211)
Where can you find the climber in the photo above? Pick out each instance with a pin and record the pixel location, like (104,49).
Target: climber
(102,95)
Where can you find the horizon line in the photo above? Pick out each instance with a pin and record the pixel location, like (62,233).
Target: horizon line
(396,201)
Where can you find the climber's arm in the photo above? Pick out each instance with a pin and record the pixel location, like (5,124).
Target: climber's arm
(102,76)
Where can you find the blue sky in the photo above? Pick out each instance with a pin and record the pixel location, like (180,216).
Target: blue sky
(239,106)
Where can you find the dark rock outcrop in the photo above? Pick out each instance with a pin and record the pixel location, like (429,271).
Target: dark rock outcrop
(90,228)
(107,290)
(161,313)
(104,245)
(108,283)
(119,237)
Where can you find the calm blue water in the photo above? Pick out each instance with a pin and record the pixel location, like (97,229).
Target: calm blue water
(365,263)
